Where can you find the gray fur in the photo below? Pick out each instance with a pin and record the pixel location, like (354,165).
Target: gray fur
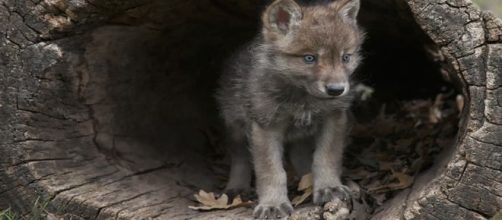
(271,97)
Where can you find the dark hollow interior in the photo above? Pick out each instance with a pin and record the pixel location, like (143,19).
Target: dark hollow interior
(152,73)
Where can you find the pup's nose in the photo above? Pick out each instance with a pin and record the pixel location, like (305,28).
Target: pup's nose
(335,89)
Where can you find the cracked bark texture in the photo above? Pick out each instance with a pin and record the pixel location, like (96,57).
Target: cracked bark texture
(84,84)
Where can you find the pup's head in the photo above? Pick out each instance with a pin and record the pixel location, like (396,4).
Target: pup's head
(313,46)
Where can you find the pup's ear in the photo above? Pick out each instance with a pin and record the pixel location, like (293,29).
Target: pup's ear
(348,9)
(282,16)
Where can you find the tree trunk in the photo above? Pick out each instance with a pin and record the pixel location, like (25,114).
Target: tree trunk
(106,107)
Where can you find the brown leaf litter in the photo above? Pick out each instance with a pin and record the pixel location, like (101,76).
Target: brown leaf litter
(209,201)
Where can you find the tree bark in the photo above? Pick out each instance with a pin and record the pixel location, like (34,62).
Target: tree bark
(89,88)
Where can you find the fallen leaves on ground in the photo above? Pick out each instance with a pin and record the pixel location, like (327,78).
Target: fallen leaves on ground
(396,141)
(209,201)
(305,186)
(391,143)
(403,181)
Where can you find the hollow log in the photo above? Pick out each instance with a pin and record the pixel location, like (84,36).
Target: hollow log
(107,110)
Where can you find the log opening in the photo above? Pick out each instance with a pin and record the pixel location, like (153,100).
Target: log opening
(151,91)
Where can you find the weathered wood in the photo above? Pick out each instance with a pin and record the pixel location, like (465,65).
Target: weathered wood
(88,90)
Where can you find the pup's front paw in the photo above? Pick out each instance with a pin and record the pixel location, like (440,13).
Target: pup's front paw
(337,202)
(273,211)
(330,194)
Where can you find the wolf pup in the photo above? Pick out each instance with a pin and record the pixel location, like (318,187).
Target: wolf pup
(289,89)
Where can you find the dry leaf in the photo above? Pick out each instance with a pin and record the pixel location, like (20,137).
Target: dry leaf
(365,91)
(305,182)
(460,103)
(404,181)
(298,200)
(210,202)
(435,114)
(304,185)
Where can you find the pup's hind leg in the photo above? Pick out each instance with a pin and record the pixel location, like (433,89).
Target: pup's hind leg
(300,155)
(240,168)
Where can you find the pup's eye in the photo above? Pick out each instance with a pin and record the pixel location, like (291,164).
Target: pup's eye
(309,59)
(346,58)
